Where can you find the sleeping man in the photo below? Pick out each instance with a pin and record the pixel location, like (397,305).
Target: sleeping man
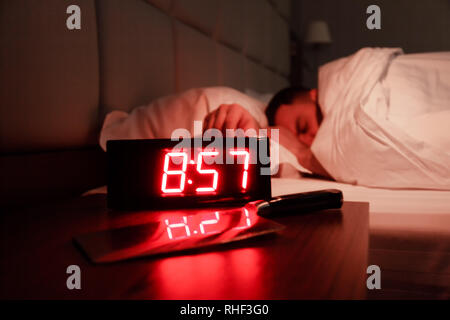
(293,111)
(379,118)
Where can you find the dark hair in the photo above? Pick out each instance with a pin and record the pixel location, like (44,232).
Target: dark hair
(284,96)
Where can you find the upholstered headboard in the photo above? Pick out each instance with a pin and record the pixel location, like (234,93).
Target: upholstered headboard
(56,85)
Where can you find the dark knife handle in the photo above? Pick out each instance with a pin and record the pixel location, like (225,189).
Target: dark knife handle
(301,202)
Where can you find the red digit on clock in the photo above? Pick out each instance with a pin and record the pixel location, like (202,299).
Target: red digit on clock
(246,156)
(168,172)
(207,171)
(177,225)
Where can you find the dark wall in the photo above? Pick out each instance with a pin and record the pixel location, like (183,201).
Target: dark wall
(414,25)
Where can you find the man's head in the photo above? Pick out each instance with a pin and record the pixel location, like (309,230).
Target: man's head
(296,109)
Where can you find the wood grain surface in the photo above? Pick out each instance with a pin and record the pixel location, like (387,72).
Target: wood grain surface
(320,255)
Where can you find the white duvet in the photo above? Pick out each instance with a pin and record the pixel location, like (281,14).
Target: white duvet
(386,119)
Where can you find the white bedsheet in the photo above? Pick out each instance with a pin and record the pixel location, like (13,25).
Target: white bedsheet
(380,200)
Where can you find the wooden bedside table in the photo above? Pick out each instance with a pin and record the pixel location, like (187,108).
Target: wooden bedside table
(320,255)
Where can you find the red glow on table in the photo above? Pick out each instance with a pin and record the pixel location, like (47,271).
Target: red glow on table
(181,277)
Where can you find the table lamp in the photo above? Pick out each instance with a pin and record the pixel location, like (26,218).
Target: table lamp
(317,35)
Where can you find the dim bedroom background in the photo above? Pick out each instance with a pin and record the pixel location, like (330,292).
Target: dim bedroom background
(57,85)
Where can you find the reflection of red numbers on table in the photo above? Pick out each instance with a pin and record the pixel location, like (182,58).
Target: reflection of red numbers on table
(182,229)
(209,222)
(246,156)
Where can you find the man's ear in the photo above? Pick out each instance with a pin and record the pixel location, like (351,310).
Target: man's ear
(313,94)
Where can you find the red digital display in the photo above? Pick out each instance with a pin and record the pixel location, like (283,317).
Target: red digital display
(161,174)
(202,224)
(170,231)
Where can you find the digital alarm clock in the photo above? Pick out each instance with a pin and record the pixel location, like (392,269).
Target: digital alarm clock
(163,174)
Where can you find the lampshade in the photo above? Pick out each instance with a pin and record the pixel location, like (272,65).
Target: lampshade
(318,32)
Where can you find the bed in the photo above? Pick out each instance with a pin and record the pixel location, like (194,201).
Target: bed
(409,236)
